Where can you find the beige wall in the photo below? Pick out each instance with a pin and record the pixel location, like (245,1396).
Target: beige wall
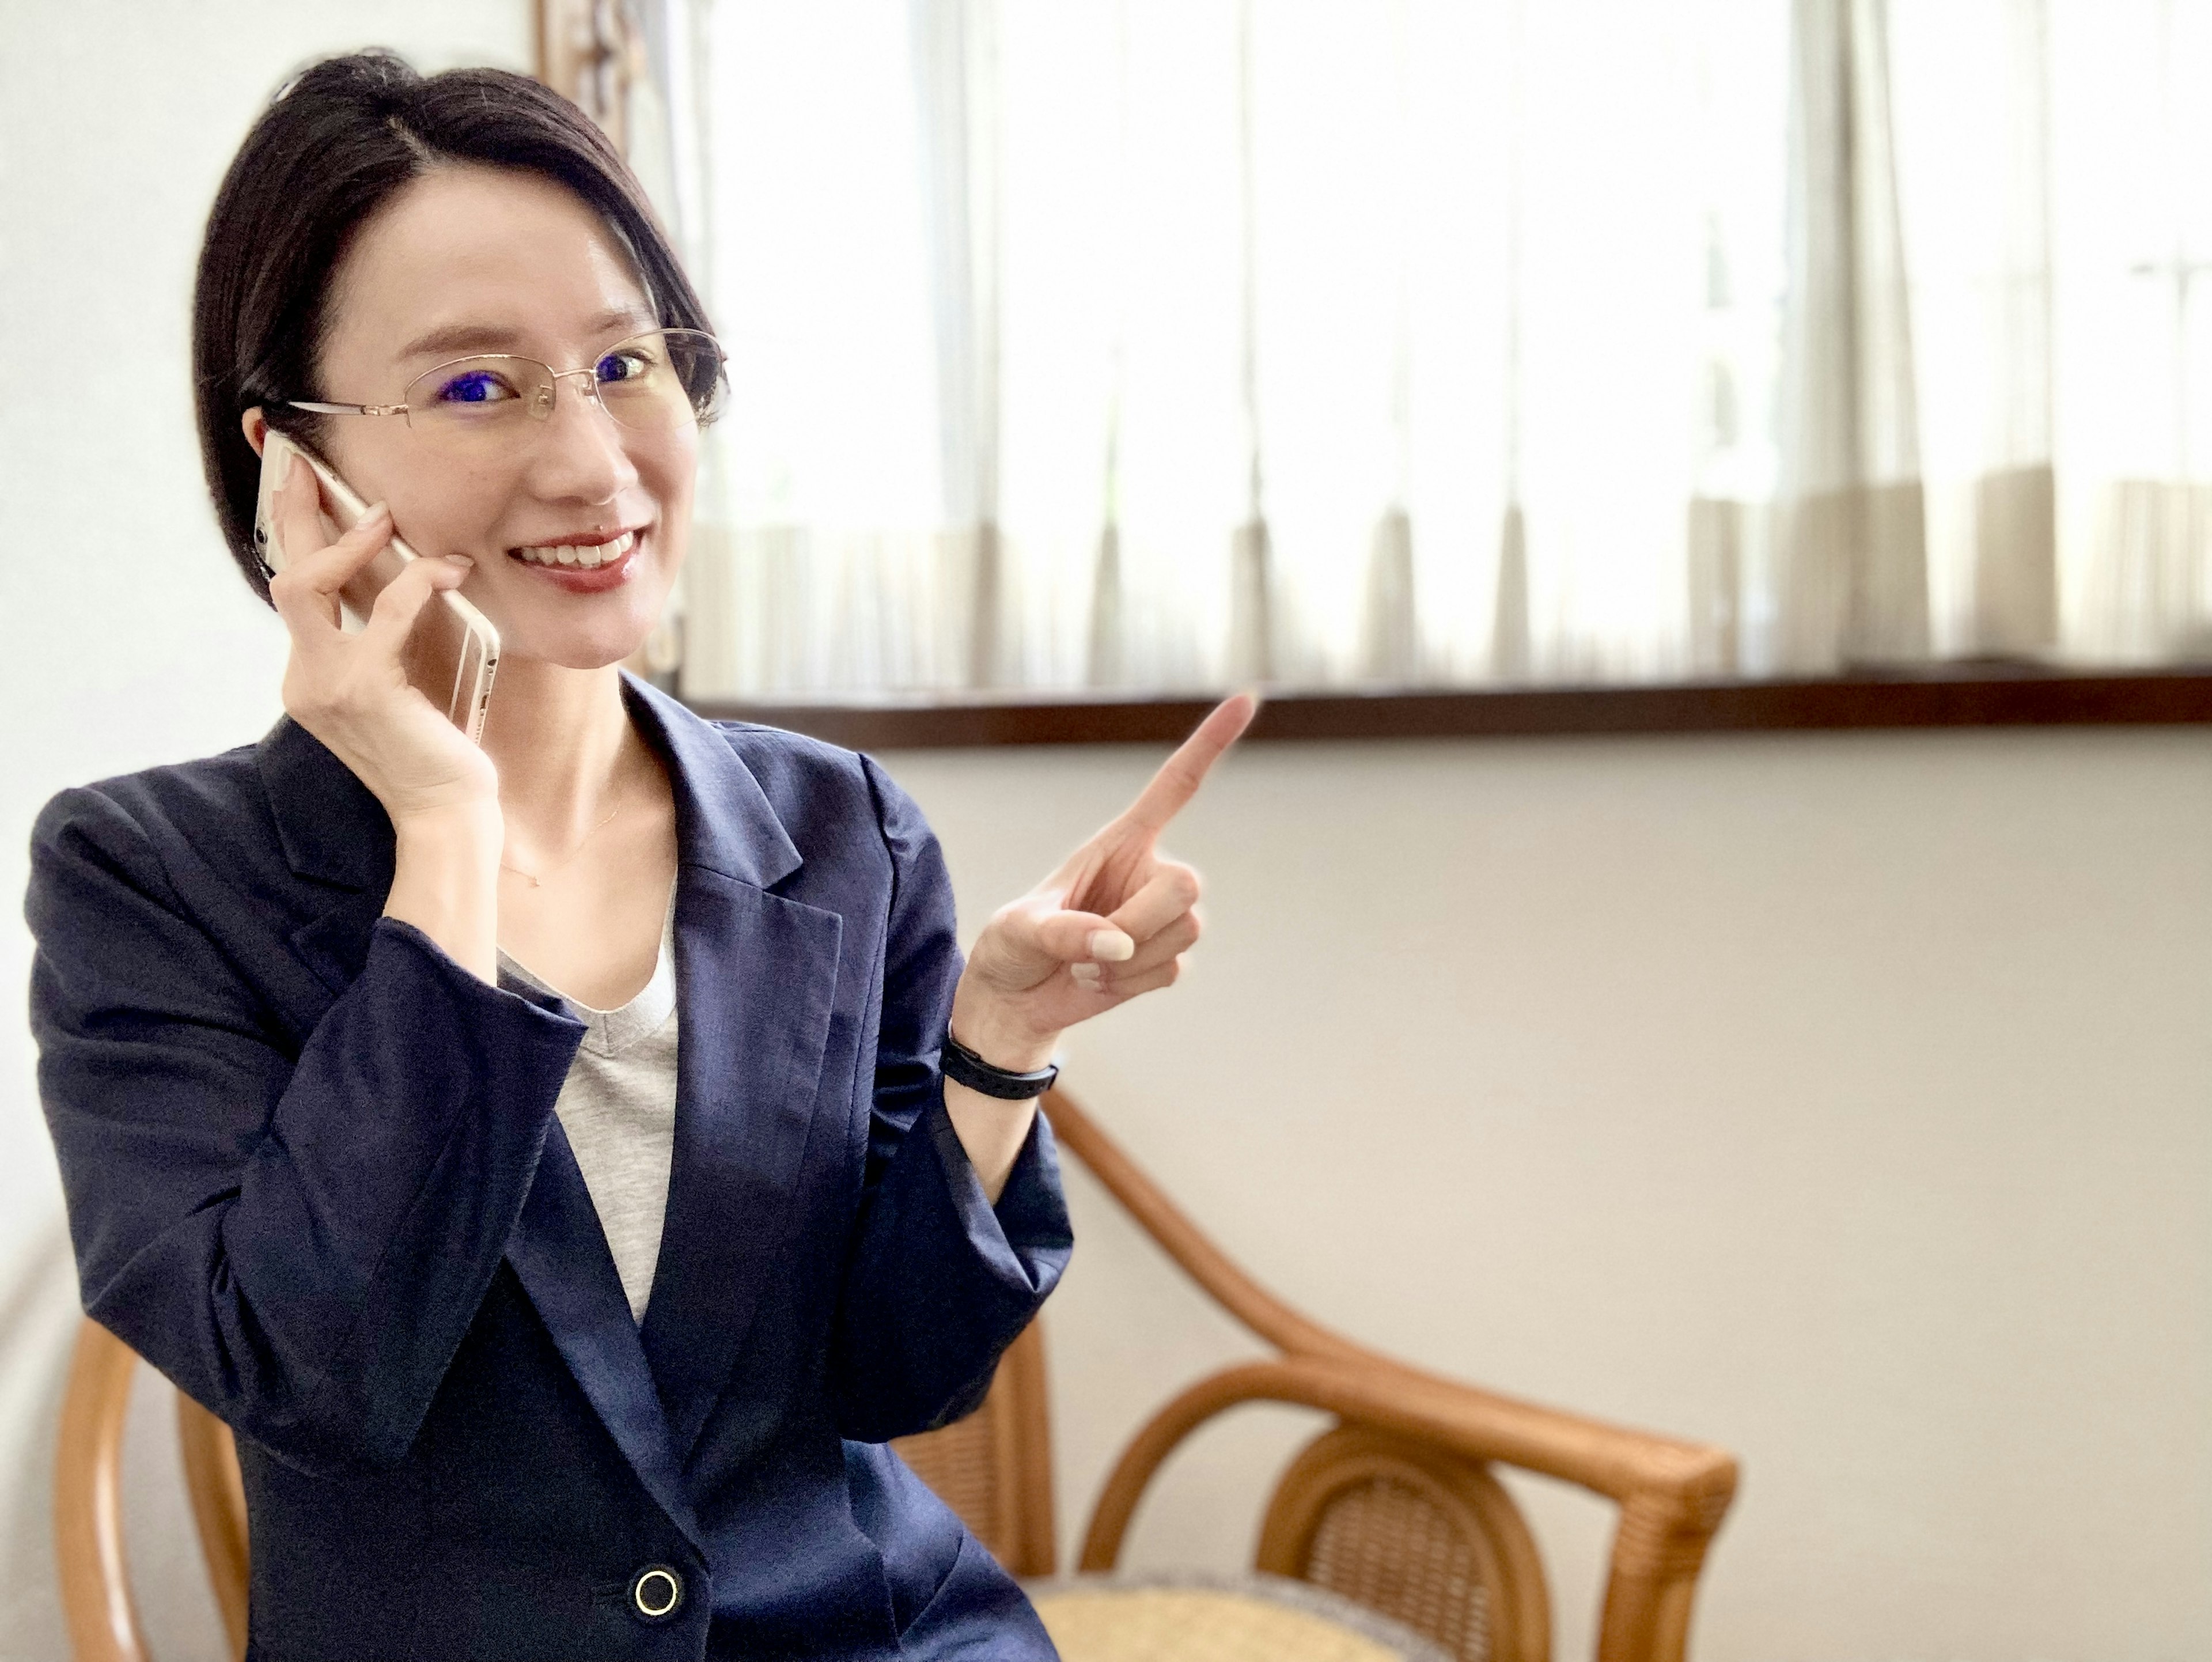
(1840,1099)
(1843,1100)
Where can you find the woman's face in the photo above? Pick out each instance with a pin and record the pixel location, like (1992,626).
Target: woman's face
(473,260)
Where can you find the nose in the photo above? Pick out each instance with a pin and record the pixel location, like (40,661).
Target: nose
(580,455)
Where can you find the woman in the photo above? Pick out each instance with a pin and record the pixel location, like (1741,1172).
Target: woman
(552,1323)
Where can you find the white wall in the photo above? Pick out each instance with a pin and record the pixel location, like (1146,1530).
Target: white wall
(1842,1099)
(125,636)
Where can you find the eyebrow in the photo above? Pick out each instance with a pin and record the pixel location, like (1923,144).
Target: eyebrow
(456,339)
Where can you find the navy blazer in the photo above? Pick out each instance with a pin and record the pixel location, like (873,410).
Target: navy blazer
(315,1176)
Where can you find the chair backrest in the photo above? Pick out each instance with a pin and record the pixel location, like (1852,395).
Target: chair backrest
(95,1579)
(1426,1537)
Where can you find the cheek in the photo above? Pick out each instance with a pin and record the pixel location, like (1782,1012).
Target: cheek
(437,509)
(669,470)
(670,479)
(675,536)
(442,519)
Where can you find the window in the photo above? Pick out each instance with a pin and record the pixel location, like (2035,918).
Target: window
(1161,344)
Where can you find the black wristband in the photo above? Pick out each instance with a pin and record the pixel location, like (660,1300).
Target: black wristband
(963,1067)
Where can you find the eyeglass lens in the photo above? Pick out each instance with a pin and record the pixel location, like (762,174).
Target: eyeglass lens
(651,383)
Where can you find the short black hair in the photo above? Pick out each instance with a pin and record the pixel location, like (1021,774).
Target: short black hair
(336,142)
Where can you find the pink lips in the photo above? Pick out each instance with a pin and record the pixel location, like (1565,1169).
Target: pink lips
(587,580)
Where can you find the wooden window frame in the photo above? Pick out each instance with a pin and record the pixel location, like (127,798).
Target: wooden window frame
(1944,697)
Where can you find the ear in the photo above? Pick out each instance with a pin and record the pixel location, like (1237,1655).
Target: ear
(256,428)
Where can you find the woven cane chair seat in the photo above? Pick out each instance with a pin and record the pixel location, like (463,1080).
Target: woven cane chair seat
(1239,1618)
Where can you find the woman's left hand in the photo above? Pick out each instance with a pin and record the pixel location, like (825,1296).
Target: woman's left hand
(1112,922)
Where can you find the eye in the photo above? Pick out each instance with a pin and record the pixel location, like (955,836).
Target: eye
(475,386)
(625,364)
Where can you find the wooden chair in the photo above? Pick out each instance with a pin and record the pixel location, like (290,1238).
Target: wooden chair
(1394,1506)
(96,1602)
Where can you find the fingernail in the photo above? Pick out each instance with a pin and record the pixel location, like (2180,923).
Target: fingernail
(462,561)
(1111,946)
(378,511)
(1088,974)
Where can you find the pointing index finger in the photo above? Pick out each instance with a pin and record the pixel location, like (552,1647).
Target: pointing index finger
(1182,773)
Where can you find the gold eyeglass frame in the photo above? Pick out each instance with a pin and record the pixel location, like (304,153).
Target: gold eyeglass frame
(540,409)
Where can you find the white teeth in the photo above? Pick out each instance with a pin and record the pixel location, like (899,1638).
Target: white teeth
(585,557)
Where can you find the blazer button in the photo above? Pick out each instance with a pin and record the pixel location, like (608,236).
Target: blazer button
(656,1593)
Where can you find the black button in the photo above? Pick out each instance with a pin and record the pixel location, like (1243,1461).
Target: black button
(656,1593)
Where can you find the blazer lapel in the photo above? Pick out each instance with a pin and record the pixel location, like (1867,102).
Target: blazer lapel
(754,976)
(757,977)
(331,825)
(560,1254)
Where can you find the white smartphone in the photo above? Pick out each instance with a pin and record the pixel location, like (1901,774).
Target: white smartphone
(467,642)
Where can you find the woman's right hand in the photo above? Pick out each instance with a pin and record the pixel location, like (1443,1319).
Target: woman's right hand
(352,691)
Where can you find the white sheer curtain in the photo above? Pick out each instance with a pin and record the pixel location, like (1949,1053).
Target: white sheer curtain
(2131,205)
(1165,343)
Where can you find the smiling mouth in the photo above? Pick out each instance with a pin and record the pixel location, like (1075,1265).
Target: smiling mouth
(578,557)
(586,568)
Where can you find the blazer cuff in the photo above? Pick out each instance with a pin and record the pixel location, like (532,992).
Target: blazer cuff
(943,1283)
(1025,1238)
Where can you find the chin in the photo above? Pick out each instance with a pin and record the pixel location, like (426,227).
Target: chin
(570,650)
(592,637)
(604,630)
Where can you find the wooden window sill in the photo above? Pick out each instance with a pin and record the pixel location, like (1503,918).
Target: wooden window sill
(1950,696)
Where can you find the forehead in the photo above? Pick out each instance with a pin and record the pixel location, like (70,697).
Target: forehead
(483,249)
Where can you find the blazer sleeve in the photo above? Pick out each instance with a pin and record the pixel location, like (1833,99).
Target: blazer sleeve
(938,1282)
(298,1234)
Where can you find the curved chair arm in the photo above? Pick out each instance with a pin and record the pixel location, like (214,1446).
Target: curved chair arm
(218,1494)
(1184,1241)
(1674,1487)
(103,1622)
(1672,1494)
(88,1546)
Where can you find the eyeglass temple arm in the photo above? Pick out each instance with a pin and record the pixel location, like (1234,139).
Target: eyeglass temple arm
(346,409)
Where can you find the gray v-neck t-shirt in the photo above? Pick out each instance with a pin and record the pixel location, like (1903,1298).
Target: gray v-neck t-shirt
(618,1108)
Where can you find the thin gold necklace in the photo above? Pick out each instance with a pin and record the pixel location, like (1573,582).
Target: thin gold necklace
(536,878)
